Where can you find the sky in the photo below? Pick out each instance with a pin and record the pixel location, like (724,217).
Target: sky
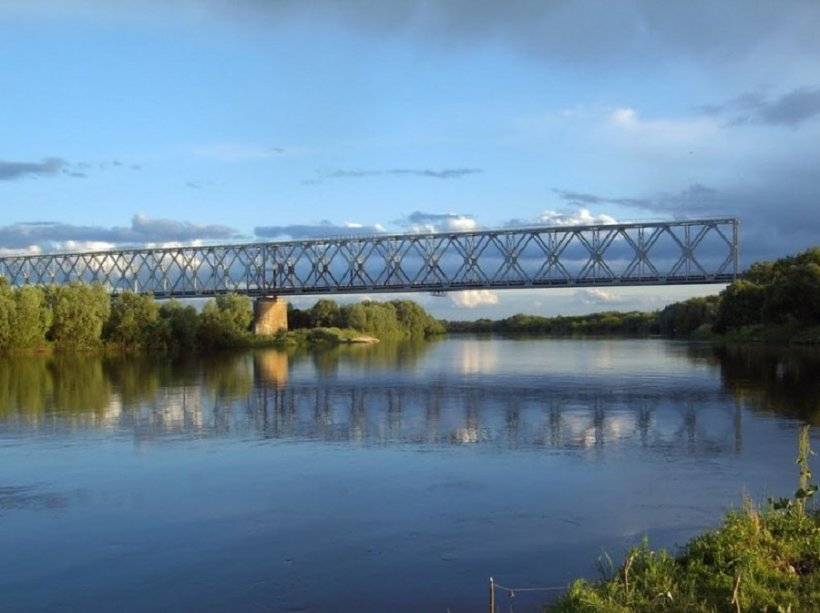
(164,122)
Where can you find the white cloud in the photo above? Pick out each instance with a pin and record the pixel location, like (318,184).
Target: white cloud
(30,250)
(353,225)
(625,117)
(628,127)
(461,223)
(595,295)
(579,217)
(420,222)
(473,298)
(80,246)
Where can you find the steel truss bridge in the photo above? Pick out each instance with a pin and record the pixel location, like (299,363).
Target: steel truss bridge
(660,253)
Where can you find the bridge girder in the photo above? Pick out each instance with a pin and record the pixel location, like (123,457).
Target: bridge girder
(658,253)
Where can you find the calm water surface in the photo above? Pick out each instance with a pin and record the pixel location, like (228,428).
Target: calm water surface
(383,478)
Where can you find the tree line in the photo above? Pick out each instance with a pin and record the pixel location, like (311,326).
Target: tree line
(84,317)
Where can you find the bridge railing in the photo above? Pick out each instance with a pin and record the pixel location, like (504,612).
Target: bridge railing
(679,252)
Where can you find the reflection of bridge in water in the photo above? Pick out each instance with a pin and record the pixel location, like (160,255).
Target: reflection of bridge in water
(688,421)
(510,418)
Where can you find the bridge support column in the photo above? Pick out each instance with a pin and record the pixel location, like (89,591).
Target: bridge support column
(270,315)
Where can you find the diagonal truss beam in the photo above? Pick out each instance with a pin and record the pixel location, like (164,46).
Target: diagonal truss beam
(658,253)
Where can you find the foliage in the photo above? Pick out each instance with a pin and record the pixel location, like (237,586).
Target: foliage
(786,291)
(756,561)
(324,314)
(297,318)
(608,322)
(79,313)
(394,320)
(177,326)
(81,317)
(225,322)
(132,323)
(741,304)
(7,307)
(682,319)
(31,319)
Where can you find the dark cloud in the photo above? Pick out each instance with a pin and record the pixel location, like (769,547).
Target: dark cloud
(777,216)
(444,173)
(50,235)
(164,230)
(789,109)
(322,230)
(580,198)
(17,170)
(53,166)
(646,31)
(695,199)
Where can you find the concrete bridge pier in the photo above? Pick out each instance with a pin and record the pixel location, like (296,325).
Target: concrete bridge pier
(270,316)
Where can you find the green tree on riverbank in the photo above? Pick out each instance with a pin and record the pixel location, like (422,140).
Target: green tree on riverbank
(84,317)
(132,323)
(784,292)
(79,313)
(393,320)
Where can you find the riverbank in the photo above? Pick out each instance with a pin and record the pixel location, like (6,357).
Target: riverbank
(306,337)
(757,560)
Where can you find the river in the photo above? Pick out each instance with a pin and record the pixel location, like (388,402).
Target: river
(378,478)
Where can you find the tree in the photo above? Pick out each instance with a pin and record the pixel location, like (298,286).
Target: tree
(298,318)
(681,319)
(414,320)
(177,326)
(237,311)
(741,304)
(79,314)
(324,314)
(793,295)
(225,321)
(7,307)
(31,318)
(132,323)
(786,291)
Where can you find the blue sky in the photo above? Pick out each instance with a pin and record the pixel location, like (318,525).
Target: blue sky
(148,122)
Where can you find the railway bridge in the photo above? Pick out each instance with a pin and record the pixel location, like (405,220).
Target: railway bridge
(621,254)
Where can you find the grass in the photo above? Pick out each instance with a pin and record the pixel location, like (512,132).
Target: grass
(311,336)
(758,560)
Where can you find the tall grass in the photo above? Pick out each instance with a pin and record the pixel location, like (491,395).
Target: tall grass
(758,560)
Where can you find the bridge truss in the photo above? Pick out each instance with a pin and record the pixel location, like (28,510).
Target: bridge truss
(661,253)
